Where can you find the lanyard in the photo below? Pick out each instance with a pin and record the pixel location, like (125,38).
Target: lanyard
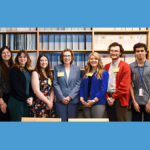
(141,75)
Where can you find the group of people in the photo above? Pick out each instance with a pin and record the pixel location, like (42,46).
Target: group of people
(103,91)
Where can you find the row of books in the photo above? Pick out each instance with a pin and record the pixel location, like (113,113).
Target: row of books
(102,41)
(16,29)
(63,41)
(121,29)
(65,29)
(19,41)
(74,29)
(80,59)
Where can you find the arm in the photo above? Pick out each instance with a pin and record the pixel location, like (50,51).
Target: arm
(124,83)
(57,88)
(36,88)
(135,104)
(103,87)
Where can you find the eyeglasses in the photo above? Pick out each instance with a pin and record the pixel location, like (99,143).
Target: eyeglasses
(137,51)
(65,56)
(114,51)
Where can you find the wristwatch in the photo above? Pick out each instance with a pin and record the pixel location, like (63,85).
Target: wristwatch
(93,100)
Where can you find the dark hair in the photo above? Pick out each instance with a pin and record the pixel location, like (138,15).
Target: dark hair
(28,63)
(39,70)
(139,45)
(116,44)
(5,69)
(62,54)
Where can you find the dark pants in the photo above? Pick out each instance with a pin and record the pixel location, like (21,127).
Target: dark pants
(117,112)
(17,109)
(5,117)
(66,111)
(140,116)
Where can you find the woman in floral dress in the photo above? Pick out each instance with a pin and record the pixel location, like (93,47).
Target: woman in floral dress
(42,87)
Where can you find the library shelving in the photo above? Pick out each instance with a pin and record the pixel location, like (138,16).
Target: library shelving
(82,41)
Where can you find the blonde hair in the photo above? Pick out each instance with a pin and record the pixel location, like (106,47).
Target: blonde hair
(100,66)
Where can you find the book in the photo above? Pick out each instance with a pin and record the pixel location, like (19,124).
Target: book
(51,42)
(57,41)
(88,41)
(45,42)
(81,41)
(75,42)
(63,41)
(70,41)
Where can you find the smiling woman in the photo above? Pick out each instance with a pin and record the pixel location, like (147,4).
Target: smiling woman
(67,86)
(42,84)
(93,88)
(6,63)
(21,92)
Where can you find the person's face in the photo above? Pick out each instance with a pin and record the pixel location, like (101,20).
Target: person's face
(6,55)
(140,53)
(67,57)
(115,52)
(43,62)
(93,61)
(22,59)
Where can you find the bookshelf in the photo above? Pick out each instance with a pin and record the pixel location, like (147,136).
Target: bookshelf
(82,41)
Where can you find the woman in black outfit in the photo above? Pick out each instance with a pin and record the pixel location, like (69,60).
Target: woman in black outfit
(6,63)
(21,91)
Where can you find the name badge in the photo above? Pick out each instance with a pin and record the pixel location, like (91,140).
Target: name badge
(89,74)
(140,92)
(60,74)
(49,81)
(116,70)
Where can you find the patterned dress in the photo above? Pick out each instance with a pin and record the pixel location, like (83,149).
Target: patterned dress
(39,107)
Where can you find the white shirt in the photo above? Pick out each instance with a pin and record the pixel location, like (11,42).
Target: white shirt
(112,77)
(68,73)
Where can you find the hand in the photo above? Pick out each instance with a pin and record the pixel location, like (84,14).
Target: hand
(147,108)
(90,103)
(30,101)
(68,98)
(3,108)
(110,101)
(85,104)
(65,101)
(136,106)
(49,105)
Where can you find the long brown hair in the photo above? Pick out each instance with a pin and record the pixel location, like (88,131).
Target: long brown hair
(38,68)
(4,68)
(100,67)
(28,63)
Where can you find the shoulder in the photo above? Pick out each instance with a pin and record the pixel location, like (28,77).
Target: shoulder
(75,67)
(107,66)
(124,64)
(132,65)
(148,62)
(34,73)
(105,72)
(58,66)
(15,69)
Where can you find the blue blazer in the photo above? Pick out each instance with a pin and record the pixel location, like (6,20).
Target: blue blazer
(98,88)
(64,88)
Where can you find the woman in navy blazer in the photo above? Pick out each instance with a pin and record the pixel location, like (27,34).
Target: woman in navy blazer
(67,86)
(93,87)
